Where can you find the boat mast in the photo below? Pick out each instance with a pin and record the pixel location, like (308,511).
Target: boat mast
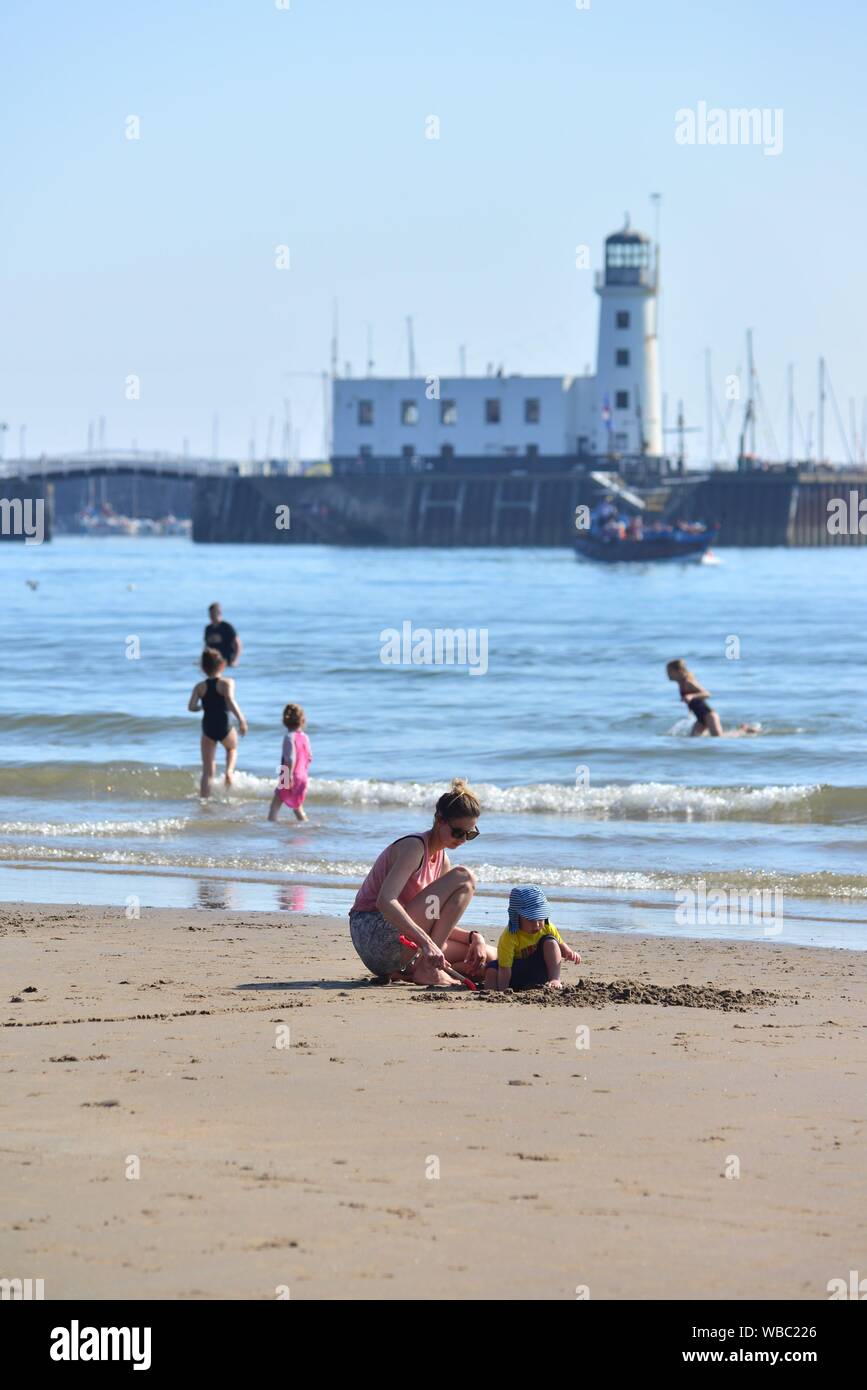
(791,392)
(742,442)
(752,404)
(749,420)
(820,435)
(642,442)
(410,345)
(708,388)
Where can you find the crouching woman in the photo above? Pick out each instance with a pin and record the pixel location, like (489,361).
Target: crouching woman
(413,891)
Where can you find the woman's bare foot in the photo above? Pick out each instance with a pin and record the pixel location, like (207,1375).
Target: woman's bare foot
(554,984)
(299,814)
(426,974)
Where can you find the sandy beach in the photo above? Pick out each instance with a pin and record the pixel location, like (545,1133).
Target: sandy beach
(160,1046)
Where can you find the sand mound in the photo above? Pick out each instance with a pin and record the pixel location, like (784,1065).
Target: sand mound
(594,994)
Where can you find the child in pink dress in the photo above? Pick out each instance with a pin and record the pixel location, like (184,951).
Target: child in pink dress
(295,760)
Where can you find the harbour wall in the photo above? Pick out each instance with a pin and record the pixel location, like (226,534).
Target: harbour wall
(451,510)
(754,509)
(761,509)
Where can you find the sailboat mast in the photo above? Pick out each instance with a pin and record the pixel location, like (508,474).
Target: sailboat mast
(708,391)
(751,405)
(410,345)
(790,374)
(820,435)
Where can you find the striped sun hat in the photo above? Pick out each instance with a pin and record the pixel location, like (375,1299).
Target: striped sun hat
(526,901)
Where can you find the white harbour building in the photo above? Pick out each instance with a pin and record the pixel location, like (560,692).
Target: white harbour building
(385,423)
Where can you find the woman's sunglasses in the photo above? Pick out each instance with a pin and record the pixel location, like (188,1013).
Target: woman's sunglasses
(458,833)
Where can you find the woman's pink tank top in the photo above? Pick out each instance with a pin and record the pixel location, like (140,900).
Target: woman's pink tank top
(428,870)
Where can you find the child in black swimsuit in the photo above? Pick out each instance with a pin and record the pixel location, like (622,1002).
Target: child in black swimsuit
(216,698)
(695,697)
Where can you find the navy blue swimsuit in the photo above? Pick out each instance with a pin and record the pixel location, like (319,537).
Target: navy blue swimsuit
(700,709)
(215,712)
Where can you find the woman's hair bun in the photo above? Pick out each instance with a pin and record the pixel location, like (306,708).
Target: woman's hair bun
(459,801)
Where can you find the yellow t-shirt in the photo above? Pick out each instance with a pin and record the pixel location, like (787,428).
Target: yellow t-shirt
(513,945)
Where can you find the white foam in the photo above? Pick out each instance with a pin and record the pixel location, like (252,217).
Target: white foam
(639,800)
(98,828)
(634,800)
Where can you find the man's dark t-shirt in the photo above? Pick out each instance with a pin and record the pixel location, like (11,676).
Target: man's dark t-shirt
(223,638)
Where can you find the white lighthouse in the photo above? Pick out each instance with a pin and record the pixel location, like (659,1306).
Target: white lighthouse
(628,405)
(526,423)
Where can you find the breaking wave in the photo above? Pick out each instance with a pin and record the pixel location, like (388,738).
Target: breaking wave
(638,801)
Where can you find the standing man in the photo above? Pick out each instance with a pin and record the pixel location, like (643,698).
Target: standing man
(222,636)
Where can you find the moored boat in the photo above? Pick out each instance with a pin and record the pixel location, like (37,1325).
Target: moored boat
(664,543)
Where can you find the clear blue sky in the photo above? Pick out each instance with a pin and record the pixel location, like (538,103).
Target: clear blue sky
(262,126)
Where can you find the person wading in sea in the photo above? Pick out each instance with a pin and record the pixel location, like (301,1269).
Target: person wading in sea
(221,637)
(215,696)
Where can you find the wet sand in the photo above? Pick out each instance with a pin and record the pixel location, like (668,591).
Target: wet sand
(296,1130)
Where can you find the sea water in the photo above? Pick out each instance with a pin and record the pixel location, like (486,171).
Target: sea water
(573,737)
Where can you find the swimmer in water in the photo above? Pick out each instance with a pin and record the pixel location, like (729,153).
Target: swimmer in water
(695,697)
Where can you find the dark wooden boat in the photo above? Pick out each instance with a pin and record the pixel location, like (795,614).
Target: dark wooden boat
(673,545)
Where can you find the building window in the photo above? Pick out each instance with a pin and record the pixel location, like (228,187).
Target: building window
(448,413)
(447,451)
(622,318)
(532,411)
(492,411)
(408,451)
(365,412)
(621,442)
(623,357)
(365,451)
(532,451)
(408,413)
(621,400)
